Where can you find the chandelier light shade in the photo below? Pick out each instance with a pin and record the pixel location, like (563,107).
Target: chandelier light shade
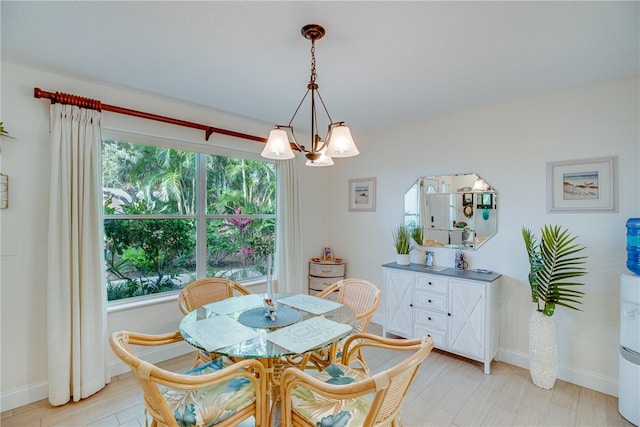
(341,143)
(338,141)
(278,147)
(323,160)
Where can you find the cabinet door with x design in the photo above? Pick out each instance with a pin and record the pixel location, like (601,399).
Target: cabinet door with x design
(399,294)
(467,327)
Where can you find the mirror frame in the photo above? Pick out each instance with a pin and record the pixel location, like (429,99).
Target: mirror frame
(465,201)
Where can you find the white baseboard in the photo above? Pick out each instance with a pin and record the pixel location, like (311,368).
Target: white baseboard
(586,379)
(32,393)
(23,395)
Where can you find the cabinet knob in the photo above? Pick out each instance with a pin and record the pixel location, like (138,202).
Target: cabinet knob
(429,301)
(410,305)
(449,314)
(430,283)
(429,318)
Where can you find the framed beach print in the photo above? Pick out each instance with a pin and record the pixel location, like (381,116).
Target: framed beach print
(586,185)
(362,194)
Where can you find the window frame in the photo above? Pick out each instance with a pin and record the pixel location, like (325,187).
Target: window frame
(201,217)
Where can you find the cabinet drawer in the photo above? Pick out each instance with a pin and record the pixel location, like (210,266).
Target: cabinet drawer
(326,270)
(431,283)
(438,337)
(430,320)
(321,283)
(431,301)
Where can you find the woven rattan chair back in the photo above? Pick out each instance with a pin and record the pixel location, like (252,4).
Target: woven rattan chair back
(361,296)
(388,387)
(207,290)
(150,377)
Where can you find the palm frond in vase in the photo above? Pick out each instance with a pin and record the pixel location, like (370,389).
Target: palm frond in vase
(553,262)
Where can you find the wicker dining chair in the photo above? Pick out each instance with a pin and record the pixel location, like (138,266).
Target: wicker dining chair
(208,290)
(340,395)
(361,296)
(204,291)
(220,393)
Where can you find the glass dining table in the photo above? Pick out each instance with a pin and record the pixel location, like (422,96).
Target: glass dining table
(239,327)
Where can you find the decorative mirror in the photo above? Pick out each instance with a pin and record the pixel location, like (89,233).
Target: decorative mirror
(455,211)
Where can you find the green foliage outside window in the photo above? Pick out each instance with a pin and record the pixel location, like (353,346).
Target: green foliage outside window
(151,217)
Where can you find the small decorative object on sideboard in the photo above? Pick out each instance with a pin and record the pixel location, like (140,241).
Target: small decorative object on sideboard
(428,258)
(460,261)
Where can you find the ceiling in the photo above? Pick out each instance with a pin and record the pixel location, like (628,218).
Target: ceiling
(380,64)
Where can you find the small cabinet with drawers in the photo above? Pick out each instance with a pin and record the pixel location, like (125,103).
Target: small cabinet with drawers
(325,273)
(457,309)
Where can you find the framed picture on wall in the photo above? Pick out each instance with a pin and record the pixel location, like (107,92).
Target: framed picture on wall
(586,185)
(362,194)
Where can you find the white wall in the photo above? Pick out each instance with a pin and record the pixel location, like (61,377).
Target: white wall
(23,227)
(509,146)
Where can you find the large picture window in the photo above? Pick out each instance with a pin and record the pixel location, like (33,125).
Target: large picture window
(172,215)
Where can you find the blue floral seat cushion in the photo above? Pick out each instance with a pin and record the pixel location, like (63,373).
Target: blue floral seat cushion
(209,406)
(324,412)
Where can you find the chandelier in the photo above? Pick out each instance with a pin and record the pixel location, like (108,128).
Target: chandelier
(338,141)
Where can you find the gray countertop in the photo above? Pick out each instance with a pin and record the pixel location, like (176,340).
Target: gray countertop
(450,272)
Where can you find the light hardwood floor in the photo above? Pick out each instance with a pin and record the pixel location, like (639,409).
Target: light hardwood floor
(448,391)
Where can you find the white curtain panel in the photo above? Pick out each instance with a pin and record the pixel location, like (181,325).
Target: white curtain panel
(76,296)
(289,265)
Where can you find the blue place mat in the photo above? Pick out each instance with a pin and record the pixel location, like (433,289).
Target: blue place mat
(255,317)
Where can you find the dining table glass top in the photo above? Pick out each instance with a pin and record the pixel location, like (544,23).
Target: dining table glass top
(238,326)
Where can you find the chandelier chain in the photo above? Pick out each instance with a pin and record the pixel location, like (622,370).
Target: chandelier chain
(313,62)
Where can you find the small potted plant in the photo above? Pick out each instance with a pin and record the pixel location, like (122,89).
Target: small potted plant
(553,262)
(402,242)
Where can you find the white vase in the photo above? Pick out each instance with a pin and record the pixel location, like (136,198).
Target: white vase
(403,259)
(543,351)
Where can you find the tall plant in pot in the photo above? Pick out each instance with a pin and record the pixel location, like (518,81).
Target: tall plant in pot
(402,242)
(554,262)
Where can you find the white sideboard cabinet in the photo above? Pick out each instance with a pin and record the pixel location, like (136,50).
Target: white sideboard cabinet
(457,309)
